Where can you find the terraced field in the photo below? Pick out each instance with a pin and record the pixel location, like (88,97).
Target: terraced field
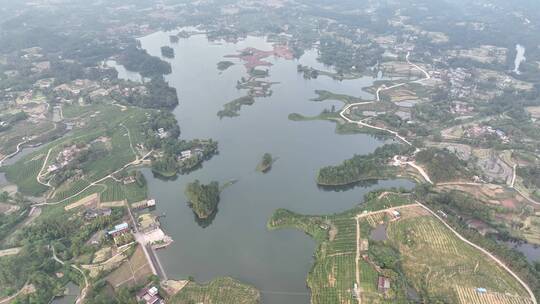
(419,253)
(435,260)
(218,291)
(471,296)
(24,175)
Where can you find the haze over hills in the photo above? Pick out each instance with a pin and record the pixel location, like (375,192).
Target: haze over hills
(171,151)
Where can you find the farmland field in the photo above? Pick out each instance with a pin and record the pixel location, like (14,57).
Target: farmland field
(24,173)
(134,271)
(418,253)
(218,291)
(116,191)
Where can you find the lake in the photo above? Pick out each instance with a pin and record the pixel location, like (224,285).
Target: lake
(237,243)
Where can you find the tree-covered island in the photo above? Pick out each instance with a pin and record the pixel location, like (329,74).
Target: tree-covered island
(203,199)
(266,163)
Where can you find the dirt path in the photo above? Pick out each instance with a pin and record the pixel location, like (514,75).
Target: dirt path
(38,177)
(421,170)
(494,258)
(19,145)
(82,295)
(94,183)
(357,290)
(27,288)
(418,204)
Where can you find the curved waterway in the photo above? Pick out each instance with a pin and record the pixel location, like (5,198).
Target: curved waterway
(237,243)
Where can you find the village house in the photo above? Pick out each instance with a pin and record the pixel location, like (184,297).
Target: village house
(383,284)
(93,213)
(184,155)
(149,295)
(119,229)
(144,204)
(161,133)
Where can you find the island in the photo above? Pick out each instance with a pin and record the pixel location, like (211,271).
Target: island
(167,51)
(223,65)
(203,199)
(266,163)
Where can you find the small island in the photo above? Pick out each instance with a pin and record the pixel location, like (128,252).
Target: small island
(266,163)
(203,199)
(223,65)
(167,51)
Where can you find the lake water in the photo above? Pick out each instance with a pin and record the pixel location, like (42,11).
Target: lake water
(520,57)
(237,243)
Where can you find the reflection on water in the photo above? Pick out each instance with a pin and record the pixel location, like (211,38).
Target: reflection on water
(531,251)
(379,233)
(237,242)
(123,73)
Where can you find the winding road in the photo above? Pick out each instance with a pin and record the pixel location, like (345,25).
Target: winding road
(82,295)
(462,238)
(346,110)
(137,161)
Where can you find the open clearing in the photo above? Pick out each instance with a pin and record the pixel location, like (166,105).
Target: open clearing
(134,271)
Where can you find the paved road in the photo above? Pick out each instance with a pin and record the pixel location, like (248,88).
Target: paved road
(149,252)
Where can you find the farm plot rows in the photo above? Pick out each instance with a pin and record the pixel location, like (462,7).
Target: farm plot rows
(116,191)
(332,279)
(472,296)
(345,240)
(71,189)
(221,290)
(24,175)
(434,259)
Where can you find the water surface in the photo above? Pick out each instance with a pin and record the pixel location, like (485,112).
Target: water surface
(237,242)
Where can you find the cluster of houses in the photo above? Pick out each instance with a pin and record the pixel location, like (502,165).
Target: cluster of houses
(187,154)
(161,133)
(119,230)
(64,158)
(459,80)
(93,213)
(76,87)
(461,108)
(479,131)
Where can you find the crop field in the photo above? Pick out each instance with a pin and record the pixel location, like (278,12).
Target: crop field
(70,189)
(471,296)
(23,173)
(91,190)
(332,279)
(218,291)
(101,120)
(119,156)
(434,260)
(116,191)
(345,239)
(134,271)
